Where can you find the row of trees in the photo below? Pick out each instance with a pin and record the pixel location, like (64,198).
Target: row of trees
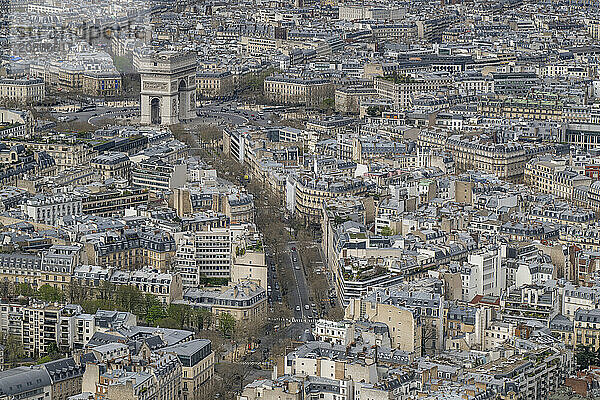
(45,292)
(148,308)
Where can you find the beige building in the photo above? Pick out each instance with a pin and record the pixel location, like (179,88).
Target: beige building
(290,389)
(15,123)
(112,165)
(166,287)
(404,326)
(347,99)
(521,108)
(506,161)
(102,83)
(400,89)
(310,194)
(249,266)
(259,45)
(213,84)
(19,268)
(197,365)
(593,28)
(554,177)
(290,90)
(587,328)
(22,90)
(245,301)
(65,153)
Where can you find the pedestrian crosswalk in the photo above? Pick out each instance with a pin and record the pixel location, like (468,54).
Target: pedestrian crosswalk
(259,363)
(294,320)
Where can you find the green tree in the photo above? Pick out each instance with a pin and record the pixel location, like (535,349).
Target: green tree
(129,298)
(585,356)
(373,111)
(226,324)
(91,306)
(53,351)
(387,231)
(25,289)
(150,302)
(328,103)
(107,290)
(49,294)
(180,313)
(155,313)
(168,323)
(13,351)
(43,360)
(203,318)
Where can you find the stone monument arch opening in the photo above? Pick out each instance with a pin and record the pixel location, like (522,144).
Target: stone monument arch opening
(183,101)
(155,111)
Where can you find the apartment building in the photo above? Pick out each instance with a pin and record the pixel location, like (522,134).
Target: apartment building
(112,165)
(576,297)
(166,287)
(431,29)
(292,90)
(158,248)
(107,201)
(587,328)
(38,325)
(14,123)
(339,333)
(101,83)
(484,275)
(214,84)
(507,160)
(204,254)
(17,161)
(66,154)
(521,108)
(310,193)
(19,268)
(156,175)
(249,265)
(400,89)
(349,12)
(245,301)
(404,324)
(22,90)
(91,276)
(65,376)
(593,27)
(347,99)
(26,383)
(529,303)
(160,380)
(118,249)
(198,366)
(514,83)
(257,46)
(41,328)
(474,84)
(286,387)
(49,209)
(58,263)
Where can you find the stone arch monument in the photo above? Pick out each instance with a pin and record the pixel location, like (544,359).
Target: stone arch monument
(168,88)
